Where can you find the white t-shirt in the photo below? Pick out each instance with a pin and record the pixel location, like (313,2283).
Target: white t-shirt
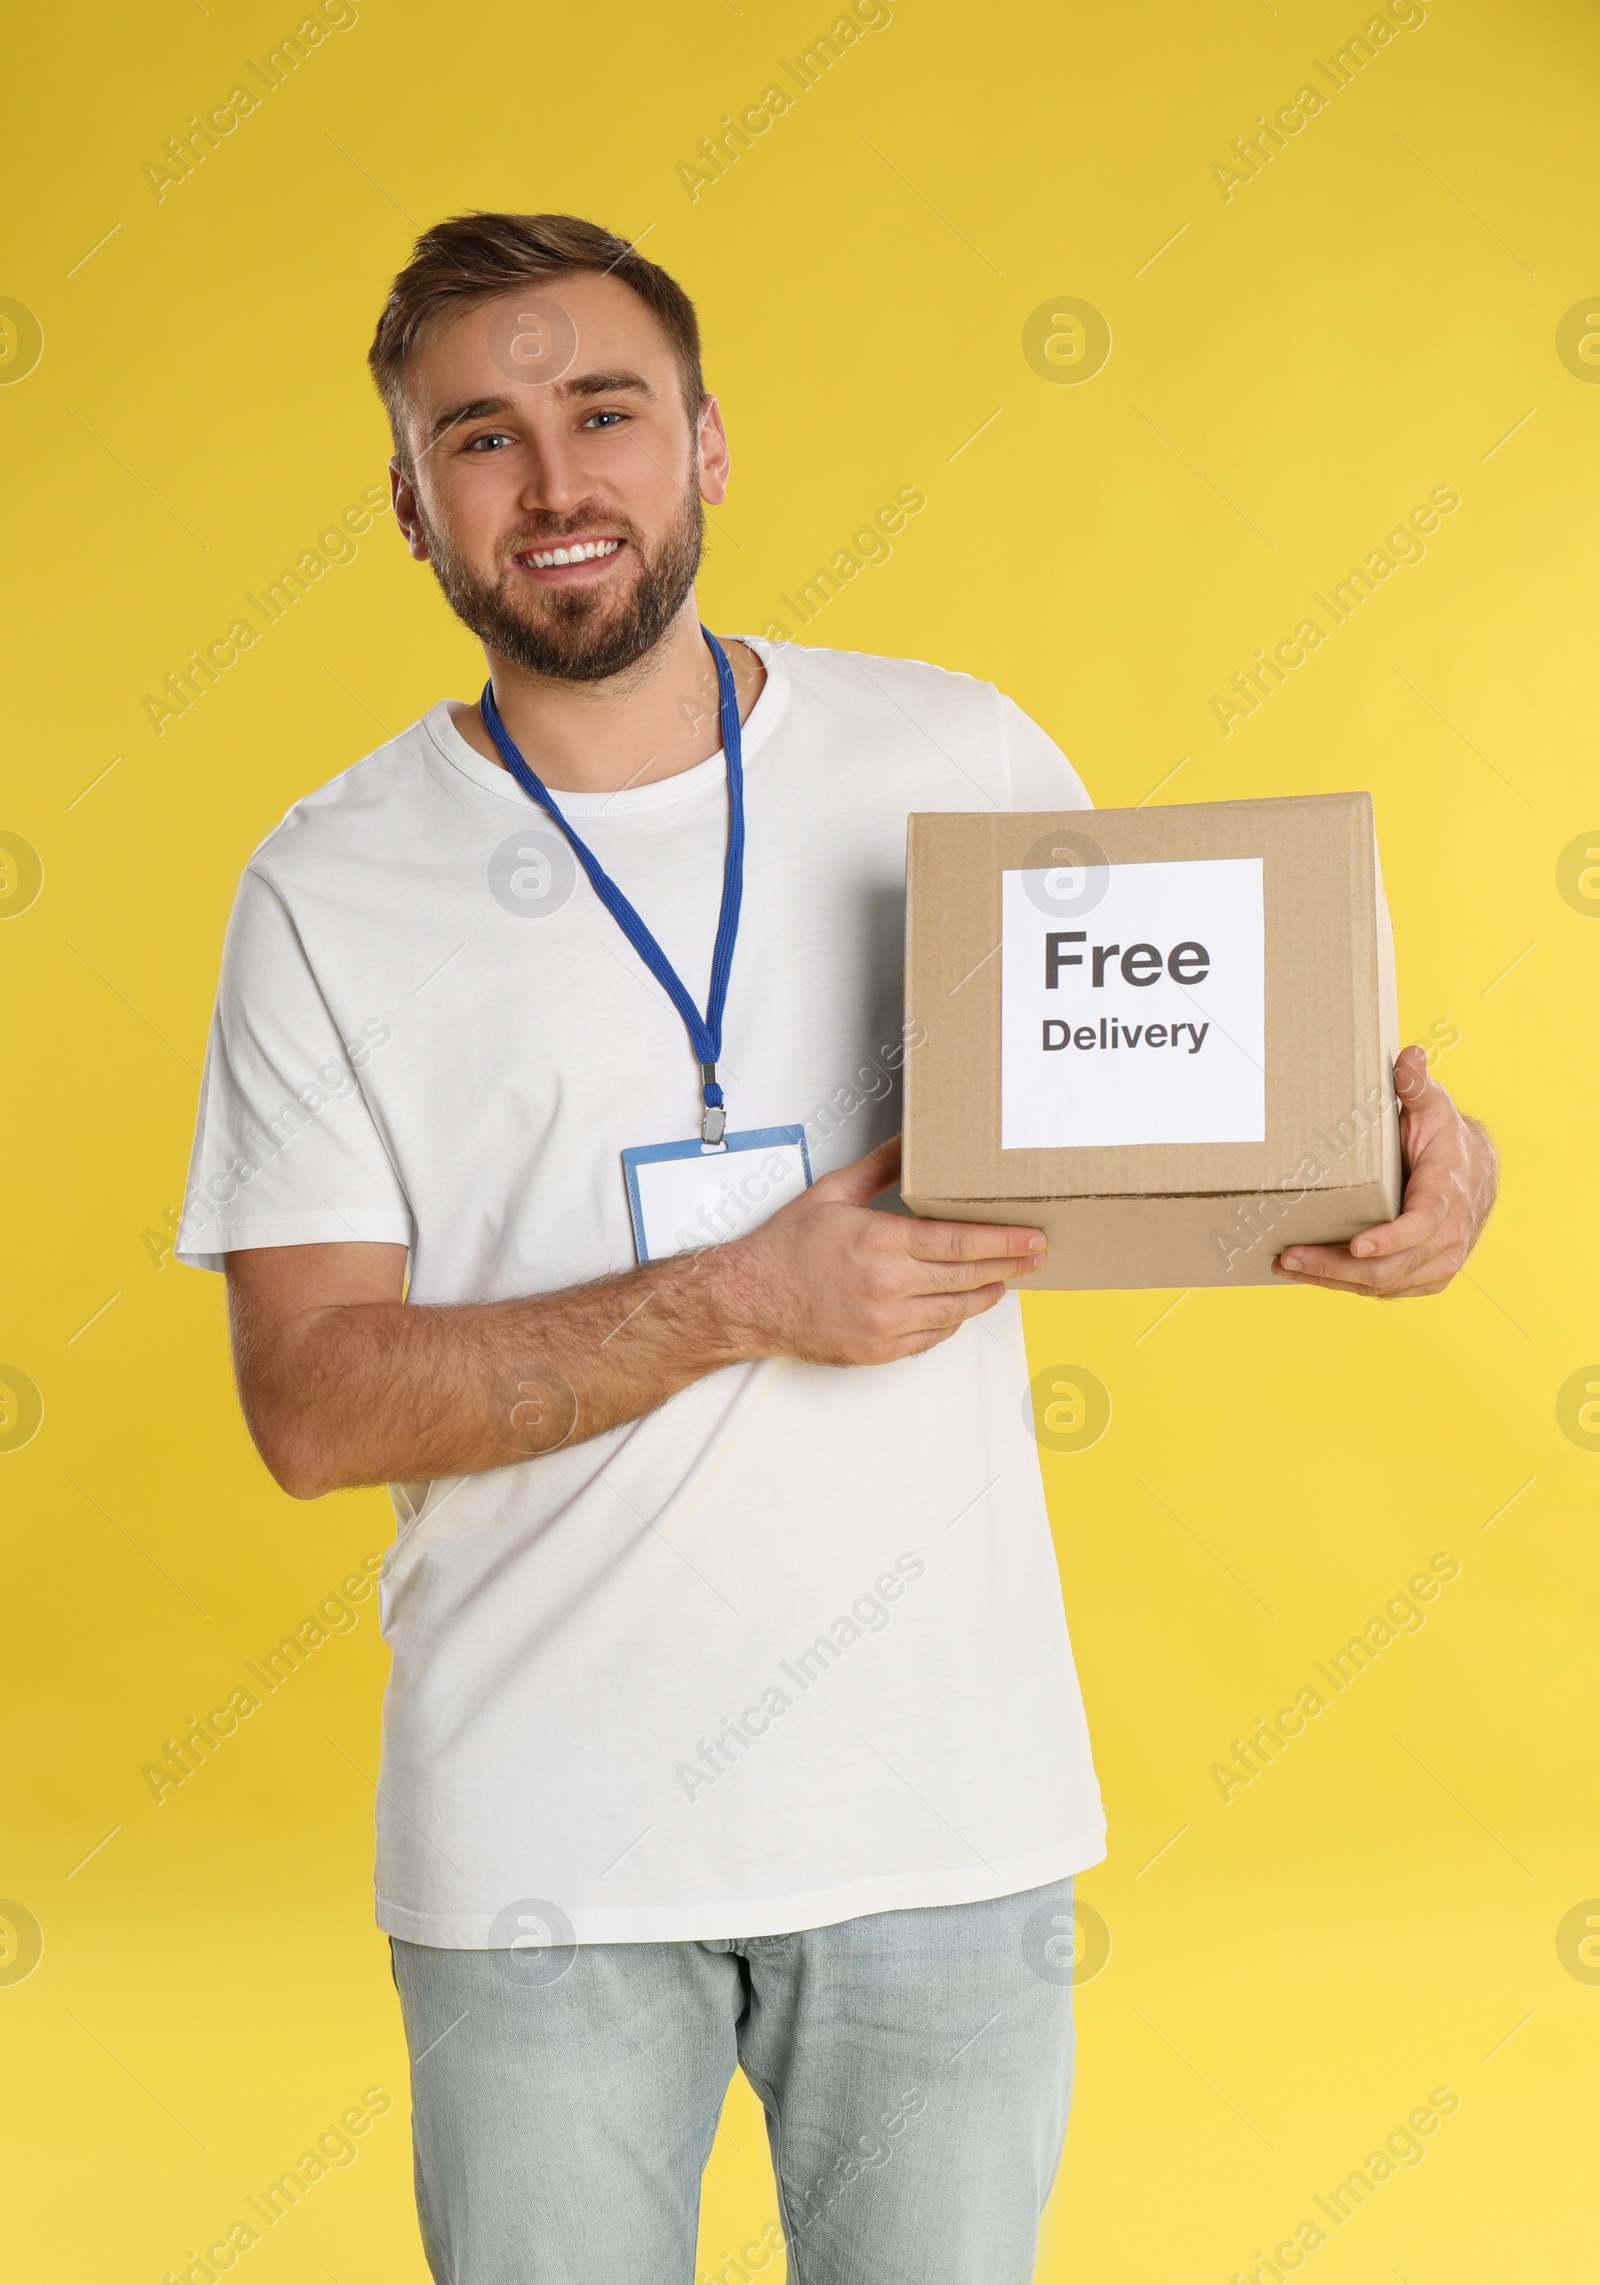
(790,1648)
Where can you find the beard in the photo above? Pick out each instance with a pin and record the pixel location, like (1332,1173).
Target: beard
(576,634)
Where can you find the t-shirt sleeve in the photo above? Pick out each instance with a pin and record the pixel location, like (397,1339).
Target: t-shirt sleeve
(1038,774)
(286,1149)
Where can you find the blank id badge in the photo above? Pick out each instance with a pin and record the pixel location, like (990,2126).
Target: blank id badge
(687,1194)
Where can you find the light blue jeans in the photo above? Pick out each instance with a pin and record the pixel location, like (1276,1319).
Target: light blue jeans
(914,2068)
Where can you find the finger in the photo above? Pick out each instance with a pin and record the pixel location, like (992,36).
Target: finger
(1427,1110)
(941,1316)
(1394,1247)
(1411,1233)
(1419,1223)
(1330,1285)
(1412,1078)
(1404,1291)
(914,1344)
(930,1277)
(932,1241)
(864,1179)
(1334,1265)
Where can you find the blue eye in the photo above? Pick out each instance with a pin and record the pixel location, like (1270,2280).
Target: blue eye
(606,415)
(490,436)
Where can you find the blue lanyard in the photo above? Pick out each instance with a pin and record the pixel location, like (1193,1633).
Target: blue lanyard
(705,1032)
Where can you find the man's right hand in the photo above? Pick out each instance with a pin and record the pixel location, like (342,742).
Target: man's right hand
(830,1280)
(344,1381)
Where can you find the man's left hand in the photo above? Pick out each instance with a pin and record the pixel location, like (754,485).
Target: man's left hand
(1449,1191)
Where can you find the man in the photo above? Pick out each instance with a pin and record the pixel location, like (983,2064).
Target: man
(733,1717)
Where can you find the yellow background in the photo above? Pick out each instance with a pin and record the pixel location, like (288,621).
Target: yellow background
(1289,375)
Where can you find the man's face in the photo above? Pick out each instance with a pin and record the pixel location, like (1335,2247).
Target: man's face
(601,458)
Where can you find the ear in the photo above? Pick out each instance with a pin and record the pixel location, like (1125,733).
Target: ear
(402,494)
(711,443)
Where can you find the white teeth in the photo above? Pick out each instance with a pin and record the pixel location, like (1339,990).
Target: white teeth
(582,554)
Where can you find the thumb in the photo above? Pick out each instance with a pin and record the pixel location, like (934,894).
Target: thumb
(1414,1084)
(856,1184)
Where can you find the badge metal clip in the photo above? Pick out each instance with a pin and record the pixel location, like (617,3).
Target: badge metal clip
(714,1117)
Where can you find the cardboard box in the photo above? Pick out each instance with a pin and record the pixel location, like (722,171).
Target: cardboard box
(1164,1036)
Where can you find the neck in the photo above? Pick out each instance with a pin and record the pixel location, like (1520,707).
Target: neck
(658,719)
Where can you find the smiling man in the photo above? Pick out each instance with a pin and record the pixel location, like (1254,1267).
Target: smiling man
(733,1720)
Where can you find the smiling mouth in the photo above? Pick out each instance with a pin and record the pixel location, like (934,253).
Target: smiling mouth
(570,552)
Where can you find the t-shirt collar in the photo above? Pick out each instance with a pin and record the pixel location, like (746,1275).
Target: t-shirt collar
(759,727)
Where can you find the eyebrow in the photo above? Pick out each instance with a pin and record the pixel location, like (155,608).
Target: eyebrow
(582,385)
(604,385)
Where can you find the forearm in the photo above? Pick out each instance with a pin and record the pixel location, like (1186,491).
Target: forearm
(344,1383)
(373,1392)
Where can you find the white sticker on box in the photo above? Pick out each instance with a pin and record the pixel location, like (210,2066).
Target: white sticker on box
(1132,1005)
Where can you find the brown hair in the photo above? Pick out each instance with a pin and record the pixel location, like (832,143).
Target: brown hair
(473,257)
